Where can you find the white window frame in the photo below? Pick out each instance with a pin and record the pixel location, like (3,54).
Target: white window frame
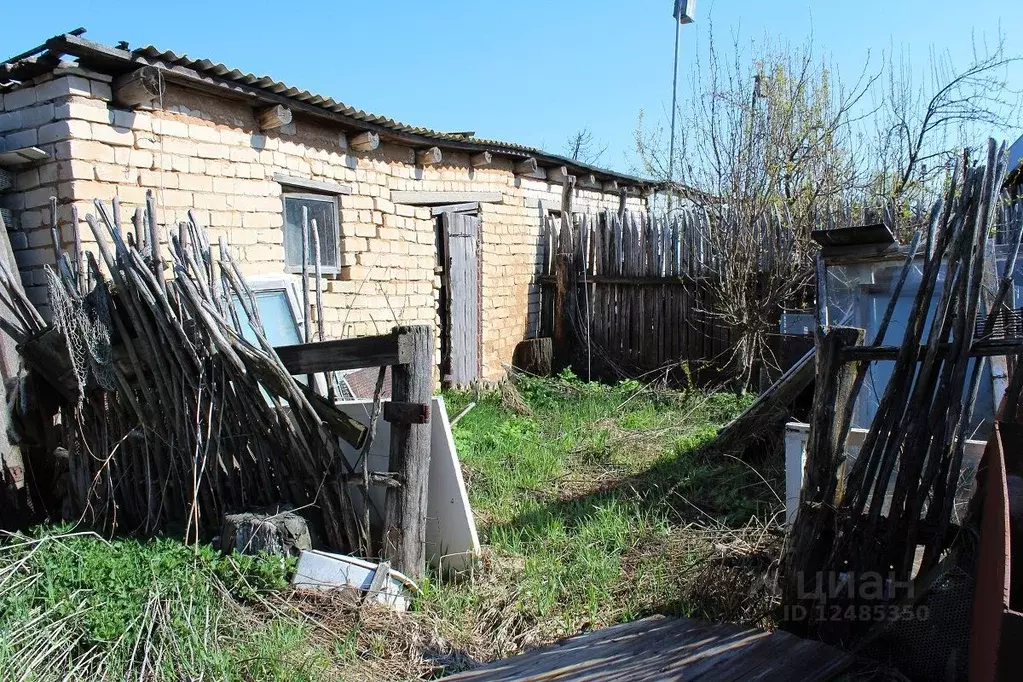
(312,196)
(290,287)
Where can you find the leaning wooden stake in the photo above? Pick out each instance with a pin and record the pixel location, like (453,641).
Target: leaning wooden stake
(404,540)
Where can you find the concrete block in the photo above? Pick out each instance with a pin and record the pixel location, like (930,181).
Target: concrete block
(19,240)
(86,110)
(101,90)
(11,120)
(170,127)
(65,130)
(63,87)
(117,136)
(33,117)
(22,138)
(203,133)
(273,530)
(20,98)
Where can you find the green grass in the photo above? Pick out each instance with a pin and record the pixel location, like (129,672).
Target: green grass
(599,506)
(587,505)
(129,609)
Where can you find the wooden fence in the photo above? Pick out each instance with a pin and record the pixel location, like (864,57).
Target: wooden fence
(625,296)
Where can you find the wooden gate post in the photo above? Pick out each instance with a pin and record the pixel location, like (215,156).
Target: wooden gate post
(404,541)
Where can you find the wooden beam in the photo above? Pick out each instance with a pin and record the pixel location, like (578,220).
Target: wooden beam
(364,142)
(339,354)
(980,349)
(422,198)
(429,157)
(481,160)
(770,407)
(141,86)
(468,207)
(406,413)
(526,167)
(611,186)
(832,391)
(273,117)
(557,174)
(405,506)
(587,180)
(566,202)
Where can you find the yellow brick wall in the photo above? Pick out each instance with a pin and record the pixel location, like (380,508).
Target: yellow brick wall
(206,154)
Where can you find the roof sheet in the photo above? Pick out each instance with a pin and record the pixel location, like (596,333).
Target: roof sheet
(151,55)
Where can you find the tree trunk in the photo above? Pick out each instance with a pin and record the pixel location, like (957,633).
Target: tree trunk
(534,356)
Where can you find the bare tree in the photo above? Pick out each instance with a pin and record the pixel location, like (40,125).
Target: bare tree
(776,144)
(923,122)
(768,143)
(581,146)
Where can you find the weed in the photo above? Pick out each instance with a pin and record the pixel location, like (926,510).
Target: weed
(124,601)
(597,507)
(596,504)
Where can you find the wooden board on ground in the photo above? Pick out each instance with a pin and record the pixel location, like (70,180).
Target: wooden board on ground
(661,648)
(771,406)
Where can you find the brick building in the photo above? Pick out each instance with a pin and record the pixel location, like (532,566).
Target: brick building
(83,121)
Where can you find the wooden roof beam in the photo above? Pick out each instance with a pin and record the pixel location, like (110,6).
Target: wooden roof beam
(526,166)
(481,160)
(274,117)
(429,157)
(364,142)
(141,86)
(558,174)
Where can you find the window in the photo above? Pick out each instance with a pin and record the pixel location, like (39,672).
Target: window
(281,314)
(323,209)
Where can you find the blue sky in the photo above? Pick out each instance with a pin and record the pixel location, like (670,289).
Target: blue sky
(529,71)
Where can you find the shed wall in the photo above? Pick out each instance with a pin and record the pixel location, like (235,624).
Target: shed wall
(201,152)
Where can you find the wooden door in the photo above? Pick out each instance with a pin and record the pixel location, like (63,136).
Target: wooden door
(461,235)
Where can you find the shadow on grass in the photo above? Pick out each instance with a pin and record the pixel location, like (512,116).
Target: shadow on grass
(681,530)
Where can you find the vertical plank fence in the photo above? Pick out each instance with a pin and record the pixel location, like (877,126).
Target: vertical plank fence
(634,300)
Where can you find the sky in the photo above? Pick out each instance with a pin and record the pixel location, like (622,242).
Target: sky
(529,71)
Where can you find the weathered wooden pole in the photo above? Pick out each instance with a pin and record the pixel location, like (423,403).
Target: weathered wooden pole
(562,268)
(813,527)
(404,541)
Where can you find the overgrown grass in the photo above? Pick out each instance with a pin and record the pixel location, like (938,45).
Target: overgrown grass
(600,507)
(74,606)
(596,504)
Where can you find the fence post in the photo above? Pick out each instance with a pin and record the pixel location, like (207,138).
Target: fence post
(562,311)
(815,513)
(404,538)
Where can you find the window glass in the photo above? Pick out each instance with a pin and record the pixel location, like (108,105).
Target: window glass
(324,212)
(278,320)
(276,316)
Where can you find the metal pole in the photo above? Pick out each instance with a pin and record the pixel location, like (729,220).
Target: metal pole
(674,94)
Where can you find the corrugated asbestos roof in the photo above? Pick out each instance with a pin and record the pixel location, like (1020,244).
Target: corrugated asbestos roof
(156,56)
(195,71)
